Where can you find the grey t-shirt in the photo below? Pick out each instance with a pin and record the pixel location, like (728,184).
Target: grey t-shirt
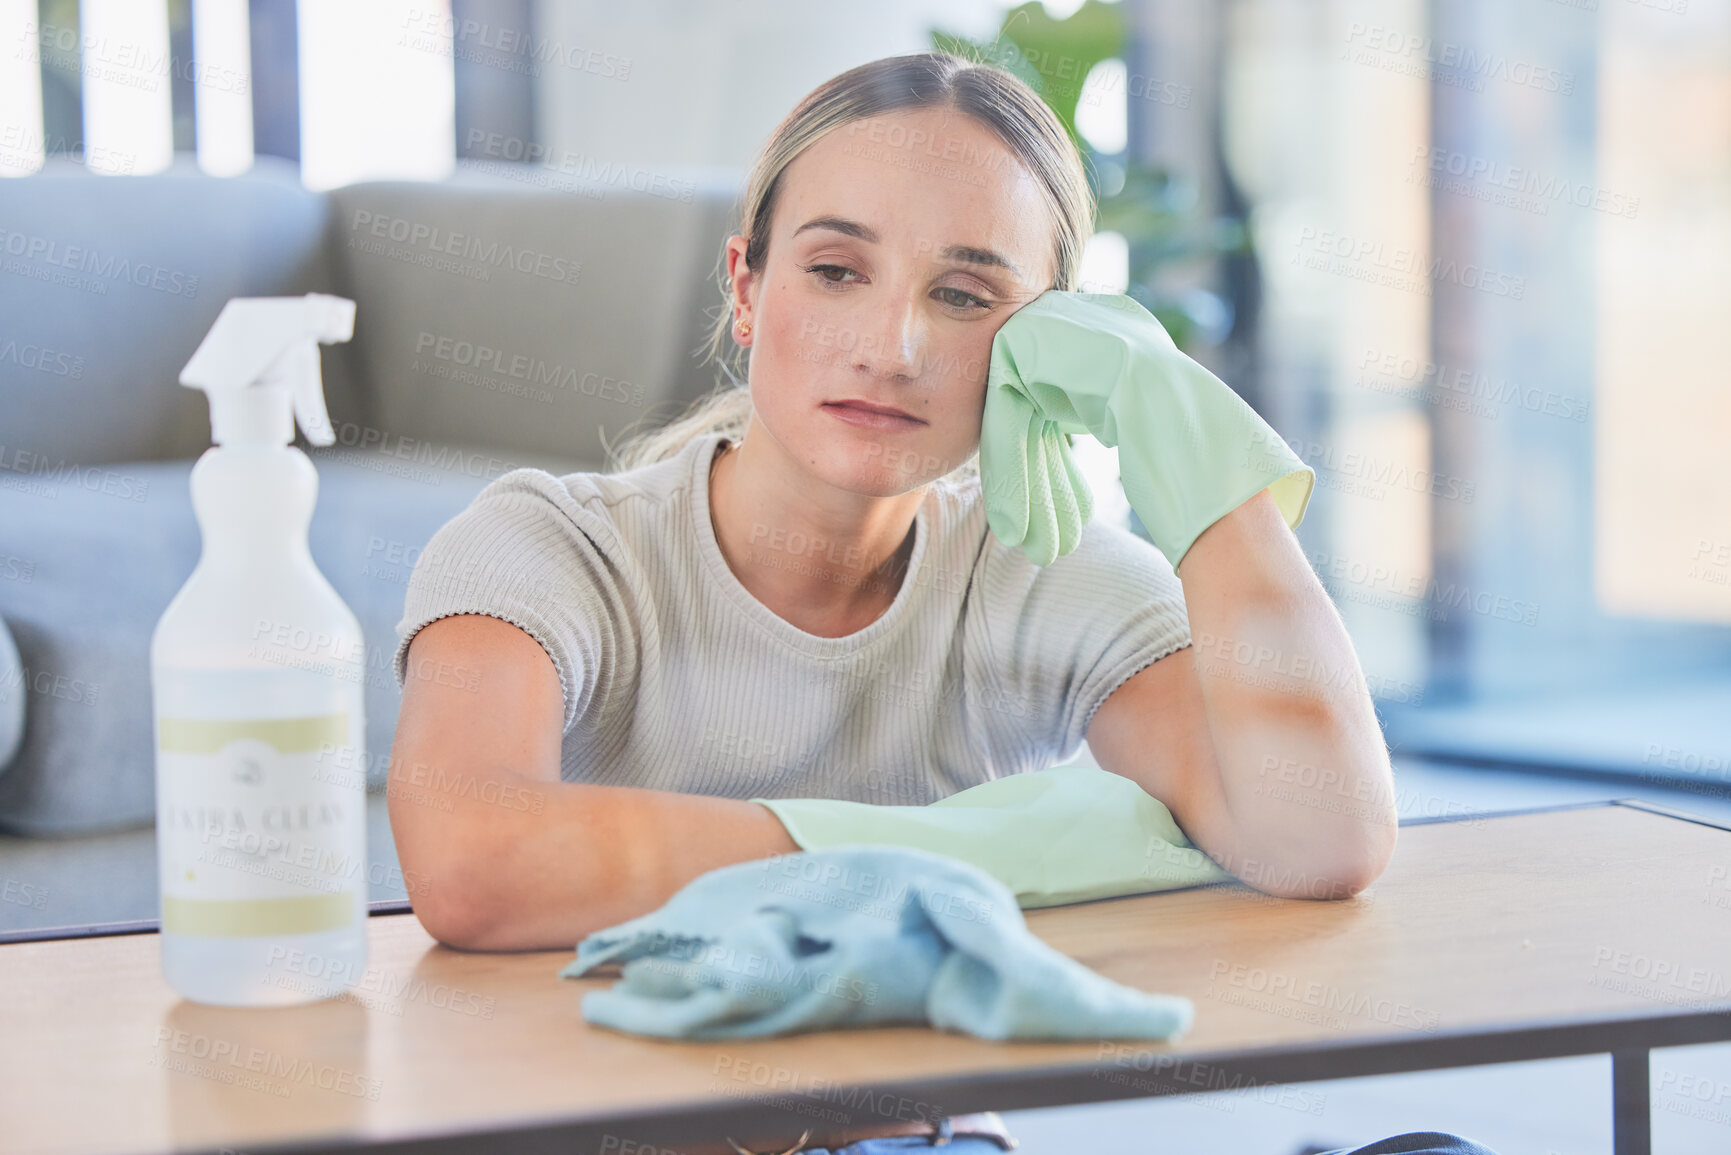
(676,678)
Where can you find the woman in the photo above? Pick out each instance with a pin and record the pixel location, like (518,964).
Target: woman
(792,591)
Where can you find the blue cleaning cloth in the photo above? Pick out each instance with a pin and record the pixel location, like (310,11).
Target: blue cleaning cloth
(852,935)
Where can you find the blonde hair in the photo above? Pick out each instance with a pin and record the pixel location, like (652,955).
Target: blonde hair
(1002,102)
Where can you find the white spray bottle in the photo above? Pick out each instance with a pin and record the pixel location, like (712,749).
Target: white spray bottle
(257,671)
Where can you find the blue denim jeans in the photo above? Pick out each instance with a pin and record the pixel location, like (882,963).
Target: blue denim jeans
(1417,1143)
(966,1145)
(1412,1143)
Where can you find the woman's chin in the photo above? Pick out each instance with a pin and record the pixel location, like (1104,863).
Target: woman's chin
(866,461)
(865,469)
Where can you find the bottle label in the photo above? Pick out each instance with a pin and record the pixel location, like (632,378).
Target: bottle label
(257,833)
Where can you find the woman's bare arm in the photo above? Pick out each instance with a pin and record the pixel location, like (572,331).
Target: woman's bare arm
(504,855)
(1261,738)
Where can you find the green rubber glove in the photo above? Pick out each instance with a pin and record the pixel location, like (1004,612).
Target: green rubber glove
(1190,450)
(1054,836)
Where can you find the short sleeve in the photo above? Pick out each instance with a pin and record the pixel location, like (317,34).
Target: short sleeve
(527,552)
(1064,636)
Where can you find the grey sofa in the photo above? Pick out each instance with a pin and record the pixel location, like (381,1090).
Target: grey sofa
(498,325)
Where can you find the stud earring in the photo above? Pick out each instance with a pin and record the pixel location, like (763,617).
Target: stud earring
(743,327)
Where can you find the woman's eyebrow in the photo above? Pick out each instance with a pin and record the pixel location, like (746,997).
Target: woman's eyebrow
(975,256)
(965,253)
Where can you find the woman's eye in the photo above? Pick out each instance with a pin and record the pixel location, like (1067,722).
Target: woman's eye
(961,299)
(823,272)
(841,275)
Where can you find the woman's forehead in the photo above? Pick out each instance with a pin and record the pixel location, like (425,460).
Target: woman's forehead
(891,174)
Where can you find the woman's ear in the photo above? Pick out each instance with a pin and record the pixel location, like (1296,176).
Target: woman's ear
(743,290)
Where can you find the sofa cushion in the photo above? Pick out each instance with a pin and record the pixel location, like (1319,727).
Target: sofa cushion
(104,551)
(108,284)
(494,313)
(519,326)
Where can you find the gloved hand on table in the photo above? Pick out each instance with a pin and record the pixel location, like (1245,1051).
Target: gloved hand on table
(1190,450)
(1059,835)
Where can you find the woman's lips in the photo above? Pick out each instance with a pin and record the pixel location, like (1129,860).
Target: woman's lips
(862,414)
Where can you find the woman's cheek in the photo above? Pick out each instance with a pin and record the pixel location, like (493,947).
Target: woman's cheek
(810,337)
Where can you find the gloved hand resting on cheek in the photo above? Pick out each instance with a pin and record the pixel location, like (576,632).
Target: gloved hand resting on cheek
(1190,450)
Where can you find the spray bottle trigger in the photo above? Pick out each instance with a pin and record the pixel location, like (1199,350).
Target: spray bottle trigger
(331,319)
(307,389)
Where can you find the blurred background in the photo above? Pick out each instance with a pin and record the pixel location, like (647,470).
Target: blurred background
(1467,256)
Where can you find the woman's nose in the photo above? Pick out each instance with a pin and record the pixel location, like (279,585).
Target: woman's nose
(893,344)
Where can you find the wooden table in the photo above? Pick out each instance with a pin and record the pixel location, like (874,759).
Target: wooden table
(1514,936)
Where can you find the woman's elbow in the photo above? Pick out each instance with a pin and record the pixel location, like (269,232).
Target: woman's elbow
(450,865)
(450,915)
(1340,868)
(1349,883)
(1354,867)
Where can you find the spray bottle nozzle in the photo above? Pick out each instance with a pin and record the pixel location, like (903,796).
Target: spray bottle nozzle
(260,366)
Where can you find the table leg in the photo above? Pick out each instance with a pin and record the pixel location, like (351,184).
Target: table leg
(1631,1110)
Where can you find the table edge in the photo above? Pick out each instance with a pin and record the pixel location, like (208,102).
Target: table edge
(1075,1083)
(405,906)
(152,925)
